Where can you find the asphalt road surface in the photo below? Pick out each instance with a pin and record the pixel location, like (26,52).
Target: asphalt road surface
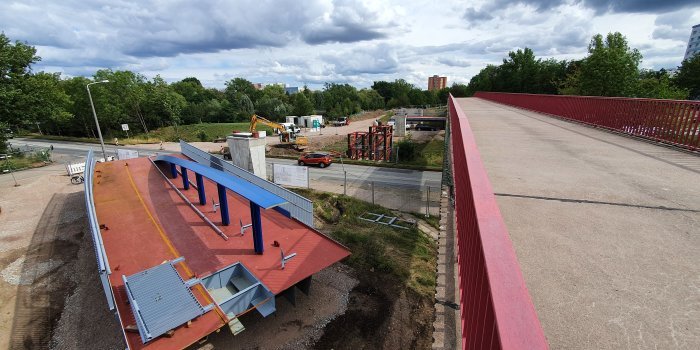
(65,152)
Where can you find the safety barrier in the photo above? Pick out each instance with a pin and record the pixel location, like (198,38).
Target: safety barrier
(102,262)
(496,310)
(674,122)
(298,207)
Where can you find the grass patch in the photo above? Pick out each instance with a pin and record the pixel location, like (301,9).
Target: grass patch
(385,118)
(202,132)
(189,133)
(432,220)
(20,163)
(136,140)
(408,255)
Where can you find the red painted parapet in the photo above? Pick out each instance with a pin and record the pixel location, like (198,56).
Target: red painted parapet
(495,305)
(675,122)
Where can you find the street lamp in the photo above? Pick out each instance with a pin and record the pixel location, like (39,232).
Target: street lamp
(99,132)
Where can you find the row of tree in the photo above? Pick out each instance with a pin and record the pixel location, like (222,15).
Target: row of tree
(610,69)
(47,103)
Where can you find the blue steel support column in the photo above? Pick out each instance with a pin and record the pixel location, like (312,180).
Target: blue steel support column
(223,205)
(200,189)
(257,228)
(173,170)
(185,178)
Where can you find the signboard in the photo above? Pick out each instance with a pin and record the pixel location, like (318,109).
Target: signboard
(290,175)
(125,127)
(127,154)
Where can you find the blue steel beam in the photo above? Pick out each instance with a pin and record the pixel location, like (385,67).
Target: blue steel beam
(173,170)
(223,205)
(200,189)
(257,228)
(185,178)
(245,189)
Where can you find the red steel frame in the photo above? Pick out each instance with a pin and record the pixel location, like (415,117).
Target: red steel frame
(375,144)
(357,145)
(495,306)
(675,122)
(381,141)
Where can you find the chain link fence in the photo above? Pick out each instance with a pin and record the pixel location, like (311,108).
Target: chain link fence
(424,200)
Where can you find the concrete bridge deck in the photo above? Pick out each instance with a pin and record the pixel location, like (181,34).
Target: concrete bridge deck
(606,228)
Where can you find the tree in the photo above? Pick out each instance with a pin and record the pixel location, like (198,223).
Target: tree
(657,84)
(15,66)
(688,77)
(370,99)
(459,90)
(611,68)
(519,71)
(485,80)
(43,102)
(302,105)
(272,108)
(340,100)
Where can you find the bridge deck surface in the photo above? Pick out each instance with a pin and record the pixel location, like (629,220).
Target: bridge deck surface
(606,228)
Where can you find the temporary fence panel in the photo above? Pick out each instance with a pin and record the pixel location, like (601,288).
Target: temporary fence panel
(290,175)
(675,122)
(495,306)
(127,154)
(298,207)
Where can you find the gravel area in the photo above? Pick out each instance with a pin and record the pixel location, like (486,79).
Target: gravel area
(294,327)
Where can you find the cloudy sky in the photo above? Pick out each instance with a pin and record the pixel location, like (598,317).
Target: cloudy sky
(316,41)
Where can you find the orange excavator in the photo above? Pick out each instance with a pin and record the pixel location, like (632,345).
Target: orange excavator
(287,136)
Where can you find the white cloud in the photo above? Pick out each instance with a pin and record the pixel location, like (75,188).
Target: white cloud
(317,41)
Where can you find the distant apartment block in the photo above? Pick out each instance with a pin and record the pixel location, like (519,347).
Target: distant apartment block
(258,86)
(693,43)
(436,83)
(291,90)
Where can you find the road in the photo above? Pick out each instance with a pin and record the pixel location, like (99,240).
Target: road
(356,174)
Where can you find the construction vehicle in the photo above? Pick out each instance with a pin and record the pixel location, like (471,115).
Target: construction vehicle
(288,134)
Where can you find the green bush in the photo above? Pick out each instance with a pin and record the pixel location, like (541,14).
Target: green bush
(406,149)
(202,135)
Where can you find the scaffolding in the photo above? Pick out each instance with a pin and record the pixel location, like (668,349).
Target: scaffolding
(376,144)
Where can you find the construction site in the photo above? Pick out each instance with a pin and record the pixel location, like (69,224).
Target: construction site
(199,253)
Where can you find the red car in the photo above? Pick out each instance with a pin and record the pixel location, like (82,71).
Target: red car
(323,160)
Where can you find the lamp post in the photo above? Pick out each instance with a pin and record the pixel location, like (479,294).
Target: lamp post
(97,123)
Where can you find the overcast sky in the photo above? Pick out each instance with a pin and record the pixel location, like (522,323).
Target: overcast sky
(316,41)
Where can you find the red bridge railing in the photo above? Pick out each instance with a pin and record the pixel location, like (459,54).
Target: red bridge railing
(495,305)
(673,122)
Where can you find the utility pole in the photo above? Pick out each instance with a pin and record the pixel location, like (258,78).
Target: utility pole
(97,123)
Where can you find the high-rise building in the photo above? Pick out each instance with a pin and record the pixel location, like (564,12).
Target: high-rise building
(436,83)
(693,43)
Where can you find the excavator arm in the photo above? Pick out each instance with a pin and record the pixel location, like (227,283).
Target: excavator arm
(255,119)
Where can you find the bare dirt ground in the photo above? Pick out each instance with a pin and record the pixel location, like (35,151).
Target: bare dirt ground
(51,298)
(43,241)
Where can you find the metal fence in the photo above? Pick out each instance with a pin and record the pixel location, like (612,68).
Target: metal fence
(424,200)
(298,207)
(495,306)
(673,122)
(102,262)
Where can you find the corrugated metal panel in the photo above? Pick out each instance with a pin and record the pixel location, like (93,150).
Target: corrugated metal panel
(298,207)
(160,300)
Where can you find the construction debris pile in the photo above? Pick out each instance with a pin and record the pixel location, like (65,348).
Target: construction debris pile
(376,144)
